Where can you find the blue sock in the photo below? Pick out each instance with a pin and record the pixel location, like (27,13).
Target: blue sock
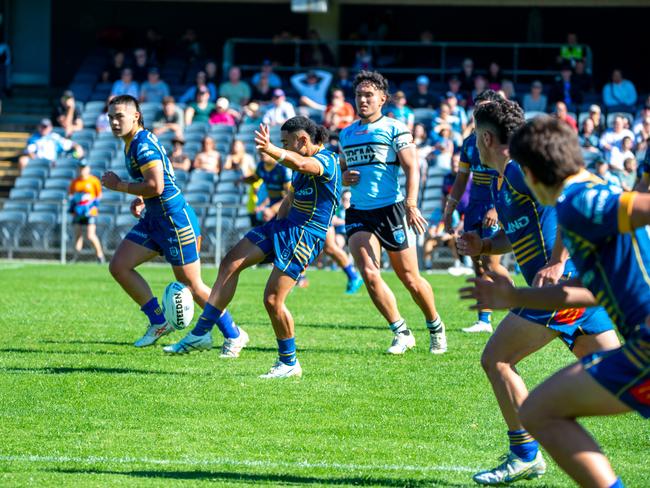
(523,444)
(287,350)
(618,484)
(350,272)
(211,316)
(153,312)
(485,316)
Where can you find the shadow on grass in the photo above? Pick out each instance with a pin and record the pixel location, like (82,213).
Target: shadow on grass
(300,325)
(77,341)
(89,369)
(50,351)
(249,478)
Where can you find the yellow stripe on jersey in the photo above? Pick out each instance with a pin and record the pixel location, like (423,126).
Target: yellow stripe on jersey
(519,242)
(525,253)
(150,165)
(625,211)
(529,258)
(463,167)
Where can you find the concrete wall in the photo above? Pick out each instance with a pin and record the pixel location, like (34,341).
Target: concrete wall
(29,35)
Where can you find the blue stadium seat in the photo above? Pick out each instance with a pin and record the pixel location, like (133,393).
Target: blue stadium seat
(222,129)
(68,173)
(230,175)
(105,223)
(34,172)
(226,198)
(57,195)
(194,137)
(28,183)
(11,223)
(198,175)
(67,163)
(41,227)
(46,207)
(57,184)
(198,127)
(181,177)
(200,186)
(89,119)
(230,187)
(39,163)
(17,205)
(23,194)
(125,208)
(123,224)
(94,107)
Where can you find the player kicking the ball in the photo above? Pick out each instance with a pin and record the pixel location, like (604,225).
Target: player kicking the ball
(291,241)
(606,234)
(530,231)
(373,149)
(167,223)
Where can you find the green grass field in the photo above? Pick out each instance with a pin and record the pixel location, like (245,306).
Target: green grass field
(79,406)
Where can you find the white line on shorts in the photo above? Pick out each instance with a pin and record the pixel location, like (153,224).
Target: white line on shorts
(27,458)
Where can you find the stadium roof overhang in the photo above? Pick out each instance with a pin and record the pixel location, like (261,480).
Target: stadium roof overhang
(451,3)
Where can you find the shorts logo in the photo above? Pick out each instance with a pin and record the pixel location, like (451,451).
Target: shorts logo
(173,251)
(399,235)
(285,254)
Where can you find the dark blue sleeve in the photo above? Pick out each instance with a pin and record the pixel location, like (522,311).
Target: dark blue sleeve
(146,152)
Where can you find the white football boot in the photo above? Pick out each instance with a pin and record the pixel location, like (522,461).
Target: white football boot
(512,469)
(154,332)
(232,347)
(438,341)
(401,343)
(282,370)
(479,326)
(190,343)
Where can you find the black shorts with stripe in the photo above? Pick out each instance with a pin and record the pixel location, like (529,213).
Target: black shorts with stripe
(387,223)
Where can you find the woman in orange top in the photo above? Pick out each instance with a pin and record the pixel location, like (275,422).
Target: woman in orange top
(84,192)
(339,113)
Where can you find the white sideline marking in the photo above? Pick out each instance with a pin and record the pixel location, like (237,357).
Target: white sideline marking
(230,462)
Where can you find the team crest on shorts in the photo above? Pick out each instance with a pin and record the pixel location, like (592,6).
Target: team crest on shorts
(285,254)
(399,235)
(173,251)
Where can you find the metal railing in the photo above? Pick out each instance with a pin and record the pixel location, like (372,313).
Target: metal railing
(443,56)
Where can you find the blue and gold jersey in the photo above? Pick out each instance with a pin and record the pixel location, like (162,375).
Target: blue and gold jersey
(372,149)
(143,153)
(274,180)
(530,226)
(613,259)
(315,198)
(482,176)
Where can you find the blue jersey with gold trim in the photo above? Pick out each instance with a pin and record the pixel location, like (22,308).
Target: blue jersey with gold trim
(315,198)
(372,149)
(141,154)
(274,180)
(482,176)
(530,226)
(613,259)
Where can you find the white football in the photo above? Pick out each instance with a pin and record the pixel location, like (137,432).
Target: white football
(178,305)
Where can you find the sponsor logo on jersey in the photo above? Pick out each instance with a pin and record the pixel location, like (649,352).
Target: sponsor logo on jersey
(517,224)
(305,192)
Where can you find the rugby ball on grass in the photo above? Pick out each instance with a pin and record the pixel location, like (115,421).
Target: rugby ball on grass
(178,305)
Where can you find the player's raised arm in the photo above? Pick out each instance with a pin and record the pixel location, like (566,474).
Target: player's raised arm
(291,159)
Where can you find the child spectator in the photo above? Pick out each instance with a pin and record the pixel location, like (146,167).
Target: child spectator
(84,193)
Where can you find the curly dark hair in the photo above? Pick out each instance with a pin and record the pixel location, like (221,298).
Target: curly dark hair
(487,96)
(317,133)
(504,117)
(549,148)
(375,78)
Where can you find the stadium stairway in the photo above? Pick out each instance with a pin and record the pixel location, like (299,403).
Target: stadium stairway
(20,115)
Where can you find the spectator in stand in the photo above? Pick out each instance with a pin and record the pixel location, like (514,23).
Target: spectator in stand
(201,81)
(443,146)
(613,137)
(344,82)
(252,113)
(67,114)
(141,65)
(565,90)
(200,110)
(170,118)
(508,90)
(223,114)
(494,76)
(154,89)
(454,86)
(280,111)
(235,89)
(113,72)
(619,92)
(210,70)
(444,118)
(456,111)
(45,144)
(601,169)
(595,114)
(571,52)
(191,45)
(312,87)
(262,91)
(180,161)
(480,85)
(125,85)
(535,101)
(267,70)
(562,113)
(102,124)
(422,97)
(618,155)
(239,160)
(581,78)
(467,76)
(423,146)
(208,159)
(642,134)
(84,194)
(642,116)
(588,138)
(339,113)
(398,110)
(628,175)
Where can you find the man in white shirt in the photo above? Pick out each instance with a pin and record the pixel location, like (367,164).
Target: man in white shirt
(280,110)
(613,137)
(45,144)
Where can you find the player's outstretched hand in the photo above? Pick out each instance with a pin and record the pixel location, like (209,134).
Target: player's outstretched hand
(491,292)
(469,244)
(350,177)
(262,138)
(548,275)
(137,206)
(415,220)
(110,180)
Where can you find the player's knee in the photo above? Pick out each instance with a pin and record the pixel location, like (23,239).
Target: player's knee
(371,276)
(412,282)
(116,268)
(272,303)
(493,363)
(531,416)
